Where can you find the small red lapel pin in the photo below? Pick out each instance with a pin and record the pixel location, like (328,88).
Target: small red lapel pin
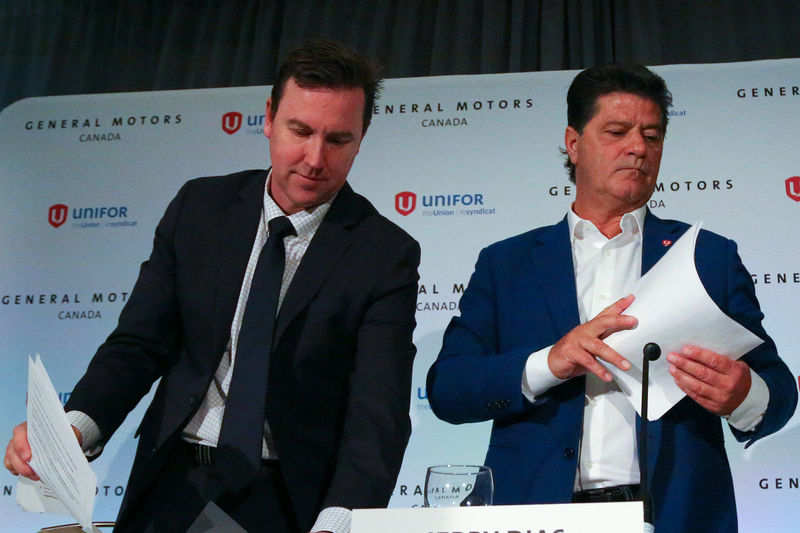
(666,242)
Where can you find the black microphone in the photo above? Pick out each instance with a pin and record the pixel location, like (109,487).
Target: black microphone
(651,352)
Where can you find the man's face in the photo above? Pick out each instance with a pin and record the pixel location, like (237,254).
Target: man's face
(617,156)
(314,138)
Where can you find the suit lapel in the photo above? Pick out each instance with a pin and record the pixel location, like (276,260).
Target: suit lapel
(330,241)
(658,236)
(551,255)
(240,227)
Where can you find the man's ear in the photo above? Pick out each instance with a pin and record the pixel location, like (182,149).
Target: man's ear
(268,119)
(571,140)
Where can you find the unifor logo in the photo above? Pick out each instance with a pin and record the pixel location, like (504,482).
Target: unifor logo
(57,215)
(405,202)
(231,122)
(793,188)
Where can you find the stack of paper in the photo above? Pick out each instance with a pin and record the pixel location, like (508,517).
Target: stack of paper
(67,483)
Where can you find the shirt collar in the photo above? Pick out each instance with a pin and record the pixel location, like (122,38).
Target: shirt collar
(305,222)
(631,223)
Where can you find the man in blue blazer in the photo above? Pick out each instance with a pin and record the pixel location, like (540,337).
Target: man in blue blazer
(524,351)
(339,373)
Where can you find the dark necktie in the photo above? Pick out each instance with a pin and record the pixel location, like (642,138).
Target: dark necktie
(238,454)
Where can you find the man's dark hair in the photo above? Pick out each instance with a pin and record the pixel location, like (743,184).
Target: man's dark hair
(592,83)
(324,63)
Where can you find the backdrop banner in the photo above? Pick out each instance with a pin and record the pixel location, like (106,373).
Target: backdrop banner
(458,161)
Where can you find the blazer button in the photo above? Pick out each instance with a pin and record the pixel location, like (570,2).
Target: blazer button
(192,400)
(569,453)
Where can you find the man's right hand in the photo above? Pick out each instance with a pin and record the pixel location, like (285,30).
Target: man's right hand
(18,452)
(576,353)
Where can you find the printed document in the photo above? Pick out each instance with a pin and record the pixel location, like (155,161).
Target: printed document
(67,483)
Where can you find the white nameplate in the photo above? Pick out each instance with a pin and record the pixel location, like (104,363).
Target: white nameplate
(622,517)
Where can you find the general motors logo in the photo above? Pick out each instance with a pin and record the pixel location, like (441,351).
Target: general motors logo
(231,122)
(57,215)
(405,202)
(793,188)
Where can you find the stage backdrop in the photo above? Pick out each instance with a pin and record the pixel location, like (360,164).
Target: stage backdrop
(459,162)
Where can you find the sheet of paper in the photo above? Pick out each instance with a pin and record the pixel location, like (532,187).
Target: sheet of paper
(674,310)
(35,497)
(67,483)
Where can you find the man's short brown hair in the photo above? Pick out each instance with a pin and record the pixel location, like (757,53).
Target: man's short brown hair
(324,63)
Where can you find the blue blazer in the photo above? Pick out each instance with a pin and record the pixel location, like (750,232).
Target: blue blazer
(522,298)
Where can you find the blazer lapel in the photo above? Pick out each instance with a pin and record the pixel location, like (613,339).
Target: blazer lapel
(330,241)
(657,238)
(240,227)
(551,255)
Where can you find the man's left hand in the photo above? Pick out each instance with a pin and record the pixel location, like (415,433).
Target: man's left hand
(716,382)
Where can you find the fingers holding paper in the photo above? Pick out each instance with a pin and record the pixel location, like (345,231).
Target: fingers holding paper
(18,453)
(577,352)
(716,382)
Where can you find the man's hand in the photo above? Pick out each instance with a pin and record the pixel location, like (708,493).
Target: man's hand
(718,383)
(18,452)
(576,353)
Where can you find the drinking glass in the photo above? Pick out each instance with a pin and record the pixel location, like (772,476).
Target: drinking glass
(458,486)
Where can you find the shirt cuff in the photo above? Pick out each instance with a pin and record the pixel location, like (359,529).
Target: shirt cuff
(751,411)
(90,432)
(333,519)
(537,377)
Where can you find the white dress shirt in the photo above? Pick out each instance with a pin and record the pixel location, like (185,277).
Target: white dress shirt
(605,271)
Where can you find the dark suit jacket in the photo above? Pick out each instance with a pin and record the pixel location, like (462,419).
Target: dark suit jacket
(340,370)
(522,298)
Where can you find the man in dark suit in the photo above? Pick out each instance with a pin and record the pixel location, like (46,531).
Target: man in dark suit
(525,350)
(339,365)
